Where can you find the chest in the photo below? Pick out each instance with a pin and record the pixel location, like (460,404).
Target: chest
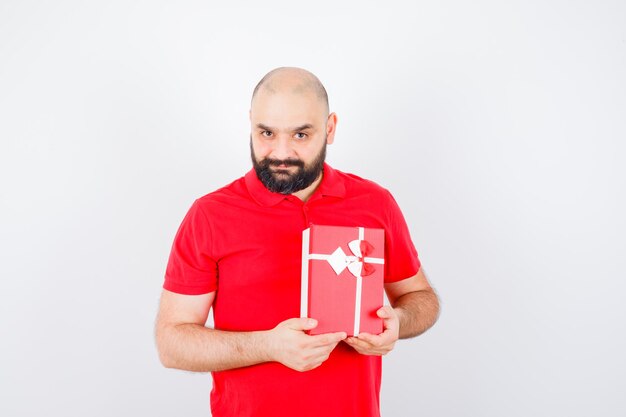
(258,253)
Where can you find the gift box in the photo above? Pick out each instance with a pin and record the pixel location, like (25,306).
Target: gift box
(342,278)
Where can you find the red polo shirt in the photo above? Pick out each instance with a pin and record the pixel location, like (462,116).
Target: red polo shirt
(245,242)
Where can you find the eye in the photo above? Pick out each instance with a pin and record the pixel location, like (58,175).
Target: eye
(266,133)
(301,135)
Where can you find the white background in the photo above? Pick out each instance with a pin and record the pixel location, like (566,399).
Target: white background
(499,126)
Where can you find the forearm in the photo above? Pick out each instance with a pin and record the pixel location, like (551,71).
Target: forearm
(417,312)
(193,347)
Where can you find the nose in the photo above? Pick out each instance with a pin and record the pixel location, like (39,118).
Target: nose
(282,149)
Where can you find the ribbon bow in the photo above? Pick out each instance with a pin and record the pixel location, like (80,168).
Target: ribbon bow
(355,263)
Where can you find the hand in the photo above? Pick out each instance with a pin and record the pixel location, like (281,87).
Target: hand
(291,346)
(369,344)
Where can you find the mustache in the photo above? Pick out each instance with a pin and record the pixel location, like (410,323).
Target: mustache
(277,162)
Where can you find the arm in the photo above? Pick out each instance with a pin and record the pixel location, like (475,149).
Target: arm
(415,303)
(414,309)
(185,343)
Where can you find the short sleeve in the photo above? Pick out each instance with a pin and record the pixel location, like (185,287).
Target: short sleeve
(190,269)
(401,259)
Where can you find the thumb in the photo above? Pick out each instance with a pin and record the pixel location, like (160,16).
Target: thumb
(302,323)
(383,313)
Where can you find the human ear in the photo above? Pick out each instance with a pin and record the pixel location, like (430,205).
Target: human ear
(331,126)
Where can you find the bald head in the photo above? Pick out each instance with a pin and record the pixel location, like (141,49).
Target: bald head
(292,80)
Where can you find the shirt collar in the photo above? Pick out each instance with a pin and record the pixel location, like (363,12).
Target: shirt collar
(331,185)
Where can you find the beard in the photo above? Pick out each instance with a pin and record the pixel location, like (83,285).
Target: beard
(283,181)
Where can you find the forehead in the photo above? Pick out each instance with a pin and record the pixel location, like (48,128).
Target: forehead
(280,109)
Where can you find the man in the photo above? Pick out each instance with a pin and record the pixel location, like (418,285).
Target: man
(238,251)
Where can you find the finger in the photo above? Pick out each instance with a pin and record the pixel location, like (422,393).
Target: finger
(386,312)
(354,342)
(301,323)
(374,340)
(390,318)
(383,312)
(328,338)
(362,347)
(351,340)
(318,360)
(319,354)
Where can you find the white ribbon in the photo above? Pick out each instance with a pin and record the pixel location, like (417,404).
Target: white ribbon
(339,261)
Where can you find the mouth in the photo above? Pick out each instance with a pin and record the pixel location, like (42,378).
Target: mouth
(282,167)
(283,171)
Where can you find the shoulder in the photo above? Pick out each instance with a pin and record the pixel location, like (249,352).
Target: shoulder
(226,195)
(357,185)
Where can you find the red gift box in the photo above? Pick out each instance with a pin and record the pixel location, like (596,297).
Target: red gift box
(342,278)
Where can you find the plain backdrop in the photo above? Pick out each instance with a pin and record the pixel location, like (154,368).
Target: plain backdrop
(499,126)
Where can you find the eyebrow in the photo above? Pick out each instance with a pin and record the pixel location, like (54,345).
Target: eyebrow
(296,129)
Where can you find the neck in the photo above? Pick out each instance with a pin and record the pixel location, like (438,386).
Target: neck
(306,193)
